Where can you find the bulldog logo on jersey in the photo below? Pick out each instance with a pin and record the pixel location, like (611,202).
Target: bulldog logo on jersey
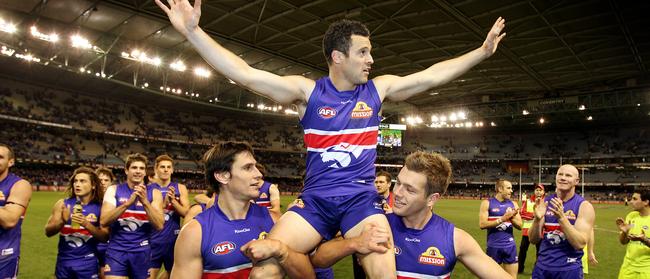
(223,248)
(361,110)
(326,112)
(555,237)
(432,256)
(340,154)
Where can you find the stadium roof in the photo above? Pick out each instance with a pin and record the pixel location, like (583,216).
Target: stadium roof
(557,55)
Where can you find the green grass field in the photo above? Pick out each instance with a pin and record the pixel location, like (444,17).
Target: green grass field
(38,253)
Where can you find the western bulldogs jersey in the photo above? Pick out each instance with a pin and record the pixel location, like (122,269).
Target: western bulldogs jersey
(425,253)
(172,219)
(130,232)
(75,244)
(265,195)
(9,238)
(501,235)
(555,252)
(341,130)
(222,238)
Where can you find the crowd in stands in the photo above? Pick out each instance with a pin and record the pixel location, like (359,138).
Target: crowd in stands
(64,127)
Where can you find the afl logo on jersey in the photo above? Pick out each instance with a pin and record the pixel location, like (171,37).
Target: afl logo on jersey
(326,112)
(223,248)
(361,110)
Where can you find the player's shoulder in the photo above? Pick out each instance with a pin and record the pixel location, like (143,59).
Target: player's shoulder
(632,215)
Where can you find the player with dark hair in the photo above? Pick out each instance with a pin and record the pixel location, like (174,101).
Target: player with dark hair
(339,115)
(633,233)
(131,210)
(76,220)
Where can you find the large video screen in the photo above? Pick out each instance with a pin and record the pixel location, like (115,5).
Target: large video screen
(389,138)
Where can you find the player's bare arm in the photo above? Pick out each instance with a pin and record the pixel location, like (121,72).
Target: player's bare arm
(516,220)
(373,239)
(470,254)
(110,212)
(154,208)
(398,88)
(578,234)
(483,215)
(55,222)
(535,231)
(282,89)
(16,205)
(182,205)
(274,196)
(290,260)
(188,262)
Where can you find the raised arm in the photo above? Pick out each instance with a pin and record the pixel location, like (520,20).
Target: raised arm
(535,231)
(154,208)
(182,205)
(185,18)
(470,254)
(401,88)
(516,218)
(55,222)
(578,234)
(16,205)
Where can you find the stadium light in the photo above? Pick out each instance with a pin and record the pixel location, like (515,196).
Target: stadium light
(582,107)
(141,56)
(178,66)
(80,42)
(7,51)
(28,57)
(452,117)
(202,72)
(493,124)
(542,120)
(589,118)
(525,112)
(53,37)
(7,27)
(461,115)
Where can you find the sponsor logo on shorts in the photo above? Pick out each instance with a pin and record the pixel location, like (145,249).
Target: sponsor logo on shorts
(432,256)
(361,110)
(571,260)
(326,112)
(223,248)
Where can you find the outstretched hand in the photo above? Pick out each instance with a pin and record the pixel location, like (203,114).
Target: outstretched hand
(493,37)
(184,16)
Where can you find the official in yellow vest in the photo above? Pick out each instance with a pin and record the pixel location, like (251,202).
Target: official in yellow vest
(633,233)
